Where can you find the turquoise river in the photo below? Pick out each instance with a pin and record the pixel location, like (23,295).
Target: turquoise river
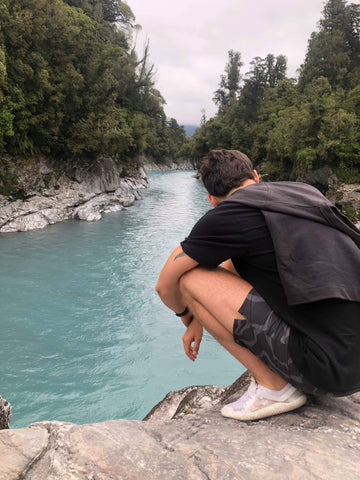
(84,337)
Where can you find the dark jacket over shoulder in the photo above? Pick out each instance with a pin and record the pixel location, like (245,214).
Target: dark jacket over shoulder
(317,248)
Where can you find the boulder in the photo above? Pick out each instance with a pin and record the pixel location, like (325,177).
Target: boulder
(323,178)
(185,437)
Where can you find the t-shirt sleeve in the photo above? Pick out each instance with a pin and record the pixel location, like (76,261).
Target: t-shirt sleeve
(215,238)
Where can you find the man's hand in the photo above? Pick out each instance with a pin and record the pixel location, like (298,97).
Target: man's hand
(192,338)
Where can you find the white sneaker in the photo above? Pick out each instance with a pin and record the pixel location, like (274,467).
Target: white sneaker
(260,402)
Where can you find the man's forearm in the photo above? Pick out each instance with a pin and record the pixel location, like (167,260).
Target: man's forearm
(168,286)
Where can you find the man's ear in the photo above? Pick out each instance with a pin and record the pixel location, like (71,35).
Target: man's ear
(256,176)
(212,199)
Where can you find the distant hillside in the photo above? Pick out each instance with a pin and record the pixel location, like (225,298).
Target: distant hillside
(190,129)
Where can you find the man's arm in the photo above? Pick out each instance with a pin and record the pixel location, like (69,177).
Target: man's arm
(168,289)
(168,283)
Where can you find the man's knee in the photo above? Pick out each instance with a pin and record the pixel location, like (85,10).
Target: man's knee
(191,278)
(186,280)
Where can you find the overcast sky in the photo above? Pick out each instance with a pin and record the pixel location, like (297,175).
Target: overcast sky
(189,41)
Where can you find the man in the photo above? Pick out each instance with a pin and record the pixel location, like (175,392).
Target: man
(273,273)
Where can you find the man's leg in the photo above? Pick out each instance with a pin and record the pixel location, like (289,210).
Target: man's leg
(214,298)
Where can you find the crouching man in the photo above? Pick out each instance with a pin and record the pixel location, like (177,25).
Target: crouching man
(272,272)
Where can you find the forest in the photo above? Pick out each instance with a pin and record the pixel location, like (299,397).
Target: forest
(290,126)
(73,87)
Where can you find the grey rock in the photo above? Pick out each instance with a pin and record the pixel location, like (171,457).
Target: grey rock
(324,178)
(181,402)
(347,198)
(83,193)
(167,165)
(5,413)
(24,223)
(185,437)
(102,175)
(91,210)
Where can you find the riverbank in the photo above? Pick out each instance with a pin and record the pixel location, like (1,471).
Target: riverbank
(45,195)
(37,193)
(41,194)
(185,437)
(150,166)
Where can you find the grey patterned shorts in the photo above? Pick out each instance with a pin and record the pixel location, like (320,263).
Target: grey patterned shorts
(266,335)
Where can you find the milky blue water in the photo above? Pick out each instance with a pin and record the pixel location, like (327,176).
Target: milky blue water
(83,335)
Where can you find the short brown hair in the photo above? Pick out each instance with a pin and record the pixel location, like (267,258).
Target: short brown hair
(223,170)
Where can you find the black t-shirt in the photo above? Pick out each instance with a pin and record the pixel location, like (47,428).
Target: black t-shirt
(325,335)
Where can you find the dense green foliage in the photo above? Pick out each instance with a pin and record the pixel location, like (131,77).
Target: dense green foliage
(72,86)
(289,126)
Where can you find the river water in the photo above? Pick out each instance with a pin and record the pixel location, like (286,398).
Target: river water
(84,337)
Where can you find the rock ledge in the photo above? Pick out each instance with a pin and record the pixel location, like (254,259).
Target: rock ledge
(185,437)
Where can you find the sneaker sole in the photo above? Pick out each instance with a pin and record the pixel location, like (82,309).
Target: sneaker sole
(274,409)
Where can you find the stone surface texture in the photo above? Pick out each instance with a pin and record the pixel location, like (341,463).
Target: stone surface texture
(45,195)
(5,413)
(347,197)
(185,437)
(167,165)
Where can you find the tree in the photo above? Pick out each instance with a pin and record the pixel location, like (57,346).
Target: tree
(6,115)
(265,73)
(289,128)
(71,86)
(113,11)
(229,82)
(333,51)
(117,11)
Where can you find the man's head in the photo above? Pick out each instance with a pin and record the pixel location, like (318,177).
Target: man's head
(223,170)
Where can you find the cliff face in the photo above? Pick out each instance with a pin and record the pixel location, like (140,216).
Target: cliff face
(185,437)
(46,195)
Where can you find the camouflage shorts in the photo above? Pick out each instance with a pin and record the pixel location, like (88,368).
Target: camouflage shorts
(266,335)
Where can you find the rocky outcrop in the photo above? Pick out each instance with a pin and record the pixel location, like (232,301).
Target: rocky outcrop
(323,178)
(346,196)
(185,437)
(5,413)
(44,195)
(167,165)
